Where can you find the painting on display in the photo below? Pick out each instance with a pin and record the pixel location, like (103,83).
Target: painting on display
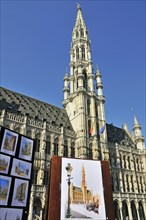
(10,214)
(4,163)
(26,148)
(21,169)
(5,183)
(20,192)
(83,198)
(9,142)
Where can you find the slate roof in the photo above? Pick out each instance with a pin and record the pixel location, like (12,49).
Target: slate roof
(22,104)
(118,135)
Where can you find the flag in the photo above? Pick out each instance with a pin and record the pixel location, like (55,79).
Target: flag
(101,130)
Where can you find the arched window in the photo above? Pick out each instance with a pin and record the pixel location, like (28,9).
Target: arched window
(123,180)
(141,184)
(117,182)
(117,210)
(141,212)
(83,52)
(124,158)
(89,153)
(137,161)
(132,184)
(56,146)
(89,128)
(37,207)
(134,211)
(127,180)
(77,33)
(77,53)
(82,32)
(72,150)
(48,146)
(129,162)
(65,150)
(85,80)
(125,210)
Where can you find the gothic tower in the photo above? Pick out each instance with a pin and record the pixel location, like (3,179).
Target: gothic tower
(85,105)
(84,185)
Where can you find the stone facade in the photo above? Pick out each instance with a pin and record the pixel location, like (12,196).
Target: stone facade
(79,130)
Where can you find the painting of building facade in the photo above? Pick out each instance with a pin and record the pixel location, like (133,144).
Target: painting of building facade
(81,197)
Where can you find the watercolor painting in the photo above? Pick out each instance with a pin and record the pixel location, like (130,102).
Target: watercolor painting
(5,183)
(82,194)
(21,169)
(26,148)
(11,214)
(9,142)
(4,163)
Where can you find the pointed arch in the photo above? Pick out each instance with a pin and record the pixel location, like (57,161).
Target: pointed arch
(37,207)
(77,53)
(125,210)
(85,83)
(82,32)
(83,52)
(141,211)
(117,210)
(134,211)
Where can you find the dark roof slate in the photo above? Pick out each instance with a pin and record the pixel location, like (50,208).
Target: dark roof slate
(22,104)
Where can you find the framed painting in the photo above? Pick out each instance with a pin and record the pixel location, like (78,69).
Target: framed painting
(9,142)
(20,193)
(5,184)
(21,169)
(10,213)
(4,163)
(26,148)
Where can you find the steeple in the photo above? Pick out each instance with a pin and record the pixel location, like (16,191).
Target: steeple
(85,107)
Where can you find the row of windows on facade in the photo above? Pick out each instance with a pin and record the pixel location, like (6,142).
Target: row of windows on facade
(80,33)
(128,183)
(65,149)
(124,214)
(125,162)
(82,53)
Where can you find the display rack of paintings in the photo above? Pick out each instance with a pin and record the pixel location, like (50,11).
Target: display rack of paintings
(16,164)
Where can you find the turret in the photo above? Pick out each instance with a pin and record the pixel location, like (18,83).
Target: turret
(139,139)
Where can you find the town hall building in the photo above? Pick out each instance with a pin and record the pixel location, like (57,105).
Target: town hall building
(80,130)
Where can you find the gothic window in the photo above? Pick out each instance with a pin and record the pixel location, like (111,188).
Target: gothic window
(77,53)
(117,182)
(37,207)
(48,146)
(89,151)
(123,180)
(83,52)
(117,211)
(46,177)
(121,161)
(114,160)
(132,184)
(77,33)
(134,211)
(129,163)
(82,32)
(89,128)
(124,158)
(88,106)
(141,212)
(127,180)
(65,150)
(125,210)
(72,150)
(34,176)
(56,146)
(141,184)
(37,144)
(137,161)
(85,80)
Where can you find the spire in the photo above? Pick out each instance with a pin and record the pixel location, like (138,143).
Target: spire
(79,19)
(135,121)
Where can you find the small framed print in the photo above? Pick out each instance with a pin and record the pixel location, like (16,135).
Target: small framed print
(5,184)
(26,148)
(10,213)
(9,142)
(20,193)
(21,169)
(4,163)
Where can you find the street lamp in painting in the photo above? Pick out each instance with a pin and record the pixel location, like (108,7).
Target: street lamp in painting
(68,169)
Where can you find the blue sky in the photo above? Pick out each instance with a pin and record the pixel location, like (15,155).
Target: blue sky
(35,45)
